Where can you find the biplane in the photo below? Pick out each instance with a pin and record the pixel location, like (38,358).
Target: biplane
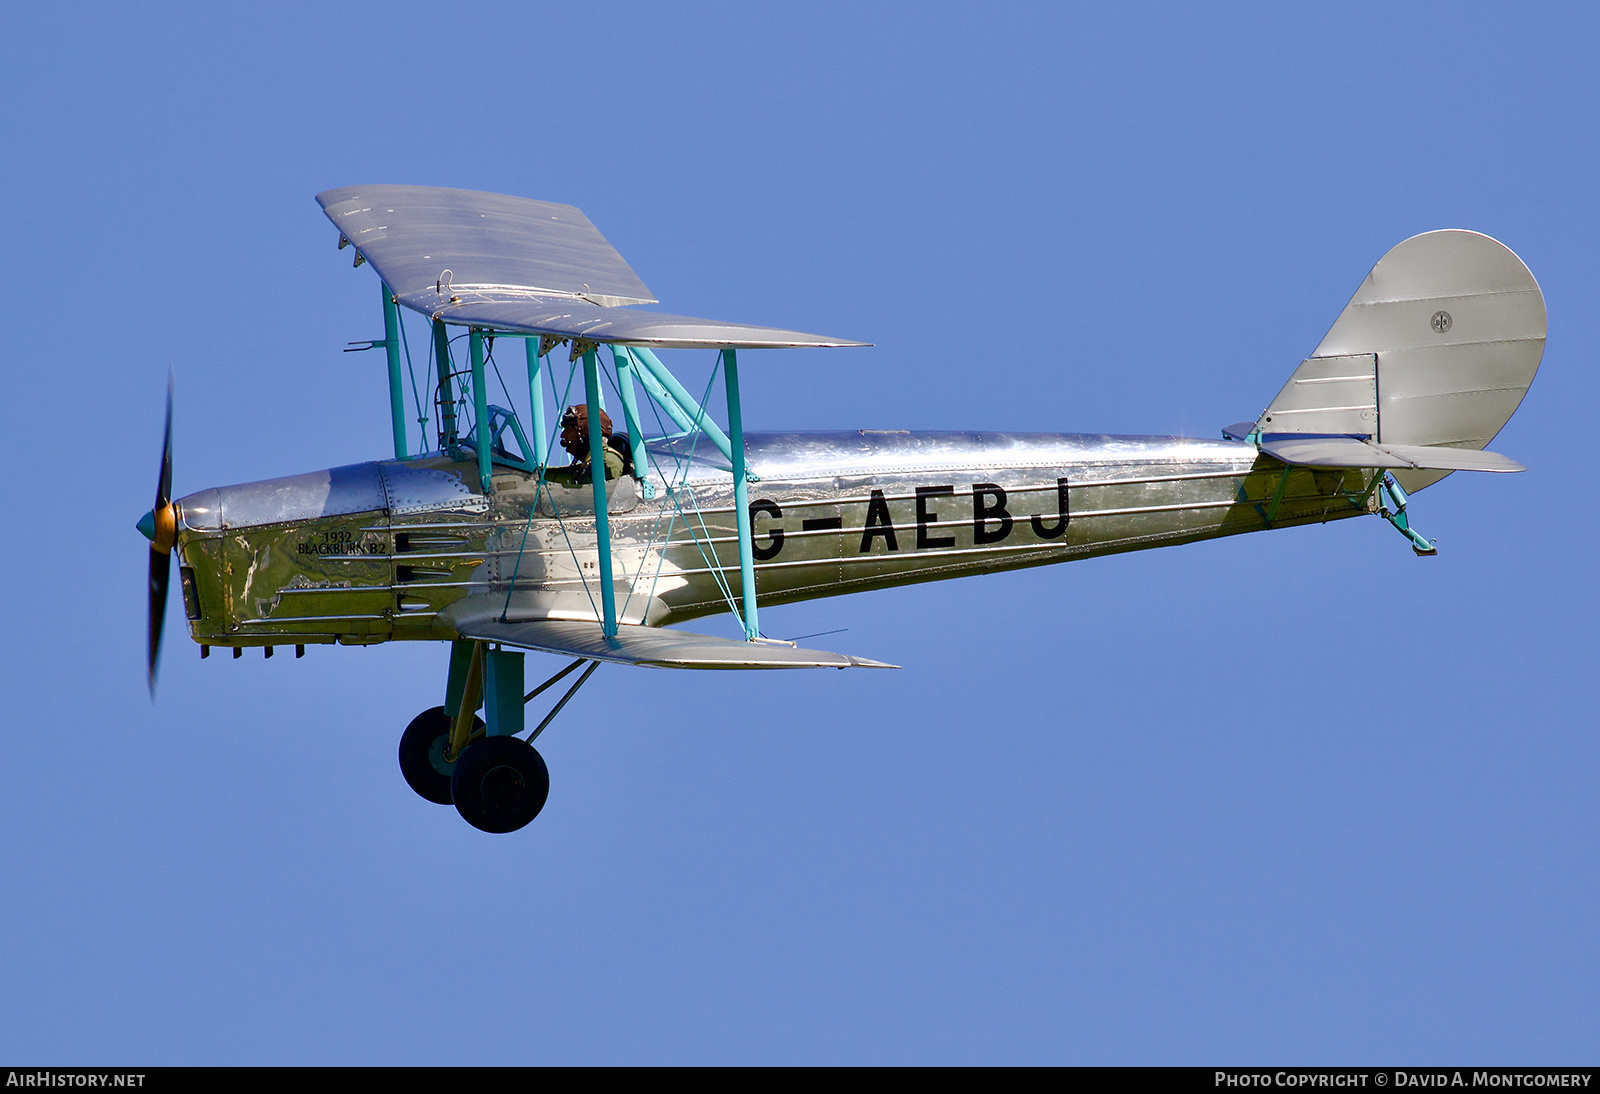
(503,532)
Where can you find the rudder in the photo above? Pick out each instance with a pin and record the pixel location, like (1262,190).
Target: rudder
(1437,348)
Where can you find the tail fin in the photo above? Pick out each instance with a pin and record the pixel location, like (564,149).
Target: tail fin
(1436,349)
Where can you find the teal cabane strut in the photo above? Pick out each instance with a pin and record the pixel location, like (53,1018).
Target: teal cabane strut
(397,395)
(391,346)
(678,403)
(597,476)
(629,363)
(480,408)
(741,495)
(447,388)
(541,440)
(689,414)
(630,409)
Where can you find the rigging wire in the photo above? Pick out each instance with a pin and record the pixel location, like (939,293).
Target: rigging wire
(416,394)
(543,490)
(670,490)
(717,570)
(458,392)
(510,405)
(671,515)
(676,482)
(686,463)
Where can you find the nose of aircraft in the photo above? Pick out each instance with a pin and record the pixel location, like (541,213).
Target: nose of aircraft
(160,527)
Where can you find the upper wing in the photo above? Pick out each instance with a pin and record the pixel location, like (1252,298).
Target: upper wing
(491,246)
(463,256)
(659,648)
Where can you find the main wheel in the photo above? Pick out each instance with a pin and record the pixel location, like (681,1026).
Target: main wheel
(500,783)
(422,749)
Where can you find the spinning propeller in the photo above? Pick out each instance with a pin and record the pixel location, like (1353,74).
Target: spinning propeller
(160,526)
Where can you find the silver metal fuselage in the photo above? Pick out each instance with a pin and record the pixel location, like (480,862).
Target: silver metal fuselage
(402,549)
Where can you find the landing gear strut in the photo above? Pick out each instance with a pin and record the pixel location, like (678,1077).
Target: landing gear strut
(1392,507)
(498,782)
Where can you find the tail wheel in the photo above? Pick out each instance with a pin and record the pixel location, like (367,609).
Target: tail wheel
(422,749)
(499,783)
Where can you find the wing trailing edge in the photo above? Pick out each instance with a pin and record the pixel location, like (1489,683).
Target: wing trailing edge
(656,647)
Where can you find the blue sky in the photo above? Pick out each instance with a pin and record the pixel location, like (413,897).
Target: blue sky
(1297,796)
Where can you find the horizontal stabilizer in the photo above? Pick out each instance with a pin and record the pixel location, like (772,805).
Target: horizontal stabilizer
(1312,451)
(657,647)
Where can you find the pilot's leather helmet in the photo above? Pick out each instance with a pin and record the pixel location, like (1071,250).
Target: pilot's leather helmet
(578,416)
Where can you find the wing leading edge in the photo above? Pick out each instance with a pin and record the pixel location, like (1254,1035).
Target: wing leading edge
(657,647)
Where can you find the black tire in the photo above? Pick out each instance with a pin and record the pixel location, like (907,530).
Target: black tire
(422,748)
(500,783)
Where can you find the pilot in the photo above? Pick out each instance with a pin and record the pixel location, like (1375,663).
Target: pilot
(575,439)
(618,443)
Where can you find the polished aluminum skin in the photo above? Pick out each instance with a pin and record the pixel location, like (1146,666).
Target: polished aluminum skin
(397,550)
(1420,371)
